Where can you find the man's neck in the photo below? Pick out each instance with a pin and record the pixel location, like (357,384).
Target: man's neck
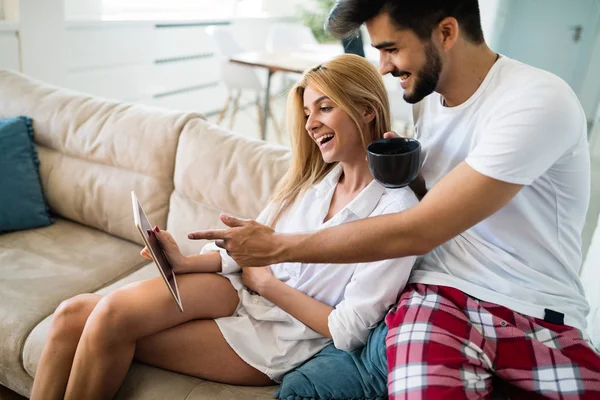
(467,68)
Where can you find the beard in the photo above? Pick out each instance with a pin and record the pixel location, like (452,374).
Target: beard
(425,81)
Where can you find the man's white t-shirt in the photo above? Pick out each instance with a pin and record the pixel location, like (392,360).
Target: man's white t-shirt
(523,126)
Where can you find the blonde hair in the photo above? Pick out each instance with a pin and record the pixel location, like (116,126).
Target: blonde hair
(353,84)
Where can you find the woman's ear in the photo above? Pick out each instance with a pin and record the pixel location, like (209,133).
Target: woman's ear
(369,115)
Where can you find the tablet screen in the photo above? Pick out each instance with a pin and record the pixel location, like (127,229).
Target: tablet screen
(153,243)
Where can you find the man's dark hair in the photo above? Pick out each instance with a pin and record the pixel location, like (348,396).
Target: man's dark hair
(420,16)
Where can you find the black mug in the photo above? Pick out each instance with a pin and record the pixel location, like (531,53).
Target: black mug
(394,162)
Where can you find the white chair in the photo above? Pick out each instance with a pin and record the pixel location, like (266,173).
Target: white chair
(237,78)
(288,36)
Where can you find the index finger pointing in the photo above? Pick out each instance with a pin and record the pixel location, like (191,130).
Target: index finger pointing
(213,234)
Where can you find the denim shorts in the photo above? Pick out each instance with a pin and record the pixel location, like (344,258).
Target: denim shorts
(336,374)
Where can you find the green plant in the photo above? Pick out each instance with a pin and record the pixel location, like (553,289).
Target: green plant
(315,19)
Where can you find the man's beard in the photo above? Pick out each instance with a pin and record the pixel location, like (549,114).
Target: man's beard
(426,81)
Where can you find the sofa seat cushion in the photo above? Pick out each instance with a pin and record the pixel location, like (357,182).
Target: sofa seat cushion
(40,268)
(143,381)
(148,383)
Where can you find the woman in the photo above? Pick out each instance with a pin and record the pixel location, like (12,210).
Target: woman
(251,328)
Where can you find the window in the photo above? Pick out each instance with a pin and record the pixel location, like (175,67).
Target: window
(169,9)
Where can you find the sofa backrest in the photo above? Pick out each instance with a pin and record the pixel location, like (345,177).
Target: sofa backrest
(217,171)
(94,152)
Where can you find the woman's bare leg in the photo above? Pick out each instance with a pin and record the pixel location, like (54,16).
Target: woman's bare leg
(198,348)
(120,319)
(55,363)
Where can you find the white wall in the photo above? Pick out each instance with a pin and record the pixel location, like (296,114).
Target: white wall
(286,8)
(9,46)
(42,40)
(590,90)
(595,138)
(493,18)
(83,9)
(9,37)
(540,33)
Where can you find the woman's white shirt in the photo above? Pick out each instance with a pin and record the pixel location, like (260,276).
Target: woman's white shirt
(273,341)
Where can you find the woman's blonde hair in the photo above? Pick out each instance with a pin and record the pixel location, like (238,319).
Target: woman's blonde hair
(353,84)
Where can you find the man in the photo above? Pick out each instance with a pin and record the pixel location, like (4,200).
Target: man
(506,164)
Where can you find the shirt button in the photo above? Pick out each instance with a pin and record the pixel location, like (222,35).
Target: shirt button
(503,323)
(255,300)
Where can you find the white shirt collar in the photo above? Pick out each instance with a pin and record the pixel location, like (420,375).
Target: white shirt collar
(361,206)
(329,181)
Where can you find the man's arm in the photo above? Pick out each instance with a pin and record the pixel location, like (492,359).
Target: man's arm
(463,198)
(459,201)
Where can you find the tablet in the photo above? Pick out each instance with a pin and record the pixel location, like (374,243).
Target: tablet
(153,245)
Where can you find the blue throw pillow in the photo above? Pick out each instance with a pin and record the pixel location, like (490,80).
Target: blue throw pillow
(336,374)
(22,203)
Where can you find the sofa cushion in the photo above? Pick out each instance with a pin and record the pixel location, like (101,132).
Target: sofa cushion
(42,267)
(217,171)
(143,381)
(148,383)
(88,142)
(23,204)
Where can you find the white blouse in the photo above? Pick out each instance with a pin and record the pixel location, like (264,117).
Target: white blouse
(273,341)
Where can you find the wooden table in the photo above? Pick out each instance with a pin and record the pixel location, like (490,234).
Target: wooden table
(296,61)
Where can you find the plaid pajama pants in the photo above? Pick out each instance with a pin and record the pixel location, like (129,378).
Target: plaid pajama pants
(444,344)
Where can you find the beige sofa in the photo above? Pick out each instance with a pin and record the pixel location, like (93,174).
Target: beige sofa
(93,152)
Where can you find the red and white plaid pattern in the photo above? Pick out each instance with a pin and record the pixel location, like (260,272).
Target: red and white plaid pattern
(444,344)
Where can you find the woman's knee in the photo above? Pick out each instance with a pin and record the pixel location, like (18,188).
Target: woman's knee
(108,322)
(71,315)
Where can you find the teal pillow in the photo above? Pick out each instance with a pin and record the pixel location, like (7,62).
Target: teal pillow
(22,204)
(339,375)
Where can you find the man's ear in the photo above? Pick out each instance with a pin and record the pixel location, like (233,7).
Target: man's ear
(447,32)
